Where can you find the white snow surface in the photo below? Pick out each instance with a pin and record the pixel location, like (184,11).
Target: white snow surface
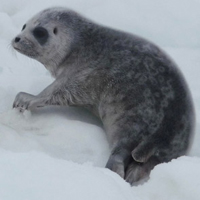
(60,153)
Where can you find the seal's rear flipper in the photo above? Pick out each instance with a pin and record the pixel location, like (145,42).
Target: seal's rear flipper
(118,162)
(144,151)
(138,173)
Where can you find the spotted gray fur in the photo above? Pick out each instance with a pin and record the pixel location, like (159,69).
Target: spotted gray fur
(129,83)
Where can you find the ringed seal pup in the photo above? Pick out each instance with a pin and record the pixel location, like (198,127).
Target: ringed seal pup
(129,83)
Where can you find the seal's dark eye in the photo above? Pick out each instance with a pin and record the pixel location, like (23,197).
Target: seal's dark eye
(55,31)
(40,32)
(24,27)
(41,35)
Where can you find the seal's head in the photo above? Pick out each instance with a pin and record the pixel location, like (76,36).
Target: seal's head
(47,37)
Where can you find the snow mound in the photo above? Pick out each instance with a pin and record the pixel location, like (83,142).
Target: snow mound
(174,180)
(36,176)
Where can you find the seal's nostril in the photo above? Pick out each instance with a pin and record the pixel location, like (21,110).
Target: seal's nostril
(17,39)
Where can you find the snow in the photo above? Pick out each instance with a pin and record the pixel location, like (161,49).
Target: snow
(60,153)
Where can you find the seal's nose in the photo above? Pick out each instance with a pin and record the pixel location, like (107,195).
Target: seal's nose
(17,39)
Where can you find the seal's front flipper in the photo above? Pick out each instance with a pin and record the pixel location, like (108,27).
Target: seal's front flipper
(22,101)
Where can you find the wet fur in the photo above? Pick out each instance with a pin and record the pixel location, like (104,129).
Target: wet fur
(129,83)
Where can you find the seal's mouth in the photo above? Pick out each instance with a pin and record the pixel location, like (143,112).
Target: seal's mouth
(20,50)
(25,52)
(25,48)
(17,49)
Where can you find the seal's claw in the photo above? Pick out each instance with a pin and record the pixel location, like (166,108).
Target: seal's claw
(22,101)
